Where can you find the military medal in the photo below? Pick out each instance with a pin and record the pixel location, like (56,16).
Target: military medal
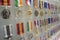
(36,13)
(6,12)
(41,13)
(19,14)
(36,24)
(28,13)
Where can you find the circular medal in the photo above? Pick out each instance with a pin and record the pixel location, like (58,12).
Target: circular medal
(5,14)
(19,14)
(36,13)
(29,13)
(41,13)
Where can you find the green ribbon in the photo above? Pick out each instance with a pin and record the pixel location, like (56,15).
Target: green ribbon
(28,26)
(16,3)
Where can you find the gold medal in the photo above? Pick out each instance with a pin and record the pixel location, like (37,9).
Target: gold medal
(28,13)
(41,13)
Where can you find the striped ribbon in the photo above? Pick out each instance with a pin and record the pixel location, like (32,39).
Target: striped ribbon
(40,4)
(45,5)
(48,6)
(5,2)
(29,26)
(18,3)
(28,2)
(35,3)
(20,28)
(7,31)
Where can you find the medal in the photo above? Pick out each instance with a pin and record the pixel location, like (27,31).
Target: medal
(28,13)
(41,13)
(5,14)
(36,24)
(36,13)
(19,14)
